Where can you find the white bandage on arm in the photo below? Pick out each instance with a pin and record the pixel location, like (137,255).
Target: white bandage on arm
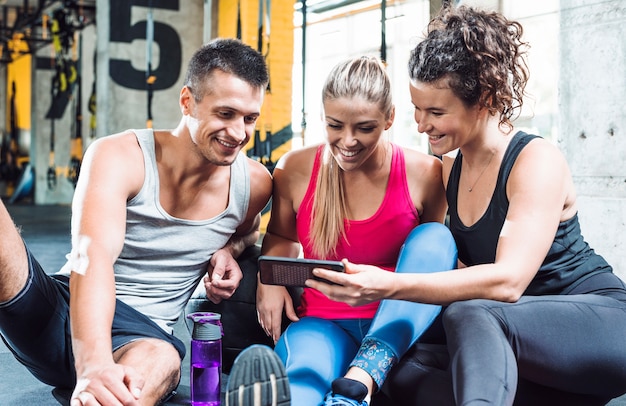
(506,228)
(77,259)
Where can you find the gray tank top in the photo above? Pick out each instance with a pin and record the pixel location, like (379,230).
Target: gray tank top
(164,257)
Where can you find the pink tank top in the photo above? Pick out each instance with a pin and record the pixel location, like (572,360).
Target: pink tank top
(374,241)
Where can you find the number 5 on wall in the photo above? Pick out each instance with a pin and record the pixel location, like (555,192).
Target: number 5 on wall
(168,66)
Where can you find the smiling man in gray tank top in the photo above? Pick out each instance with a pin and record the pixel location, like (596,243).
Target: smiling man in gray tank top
(154,213)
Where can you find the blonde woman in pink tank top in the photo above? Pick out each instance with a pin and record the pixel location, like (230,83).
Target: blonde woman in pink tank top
(356,197)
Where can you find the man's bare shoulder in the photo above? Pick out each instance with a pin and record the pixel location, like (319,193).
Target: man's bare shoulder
(117,156)
(260,179)
(119,149)
(120,144)
(258,171)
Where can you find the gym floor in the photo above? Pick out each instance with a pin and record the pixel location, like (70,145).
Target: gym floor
(46,230)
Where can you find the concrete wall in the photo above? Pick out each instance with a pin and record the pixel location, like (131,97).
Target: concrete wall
(592,89)
(122,51)
(120,46)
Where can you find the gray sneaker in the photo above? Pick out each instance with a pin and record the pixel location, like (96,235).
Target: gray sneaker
(258,378)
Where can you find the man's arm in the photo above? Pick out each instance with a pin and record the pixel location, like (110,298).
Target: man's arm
(248,233)
(98,227)
(260,192)
(224,273)
(244,239)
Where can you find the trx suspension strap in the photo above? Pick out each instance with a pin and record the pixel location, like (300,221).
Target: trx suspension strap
(14,141)
(9,154)
(59,86)
(383,31)
(149,77)
(91,105)
(239,20)
(256,148)
(264,28)
(62,82)
(303,122)
(52,170)
(66,75)
(264,150)
(76,152)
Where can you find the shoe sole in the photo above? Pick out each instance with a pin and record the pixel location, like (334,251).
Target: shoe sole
(258,378)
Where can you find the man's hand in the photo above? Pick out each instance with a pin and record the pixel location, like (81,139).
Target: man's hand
(112,385)
(223,276)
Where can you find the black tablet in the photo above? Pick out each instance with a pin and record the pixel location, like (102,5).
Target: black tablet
(286,271)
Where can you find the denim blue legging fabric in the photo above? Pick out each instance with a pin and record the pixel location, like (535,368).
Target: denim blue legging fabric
(317,351)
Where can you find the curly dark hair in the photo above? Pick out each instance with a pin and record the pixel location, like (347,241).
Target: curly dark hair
(481,56)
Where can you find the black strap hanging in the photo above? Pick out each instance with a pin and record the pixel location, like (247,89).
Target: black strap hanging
(9,170)
(91,105)
(239,20)
(304,31)
(76,153)
(150,78)
(264,31)
(65,69)
(383,31)
(52,170)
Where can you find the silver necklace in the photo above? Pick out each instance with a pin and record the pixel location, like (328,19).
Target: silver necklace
(481,173)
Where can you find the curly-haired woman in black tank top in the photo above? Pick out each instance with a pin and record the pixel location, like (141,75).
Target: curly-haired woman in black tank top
(534,315)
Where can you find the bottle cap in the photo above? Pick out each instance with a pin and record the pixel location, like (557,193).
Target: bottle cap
(206,326)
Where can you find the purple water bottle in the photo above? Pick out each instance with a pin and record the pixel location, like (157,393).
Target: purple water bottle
(206,359)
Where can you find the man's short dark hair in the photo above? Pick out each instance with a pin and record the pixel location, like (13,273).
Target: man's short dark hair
(230,56)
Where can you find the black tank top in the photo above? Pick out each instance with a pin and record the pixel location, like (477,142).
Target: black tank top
(570,260)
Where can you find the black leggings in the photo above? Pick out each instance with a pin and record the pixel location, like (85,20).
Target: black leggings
(541,350)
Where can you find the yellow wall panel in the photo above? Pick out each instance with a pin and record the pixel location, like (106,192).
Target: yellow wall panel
(276,114)
(277,46)
(19,71)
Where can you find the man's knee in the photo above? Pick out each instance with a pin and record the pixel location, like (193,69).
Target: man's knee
(157,361)
(149,353)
